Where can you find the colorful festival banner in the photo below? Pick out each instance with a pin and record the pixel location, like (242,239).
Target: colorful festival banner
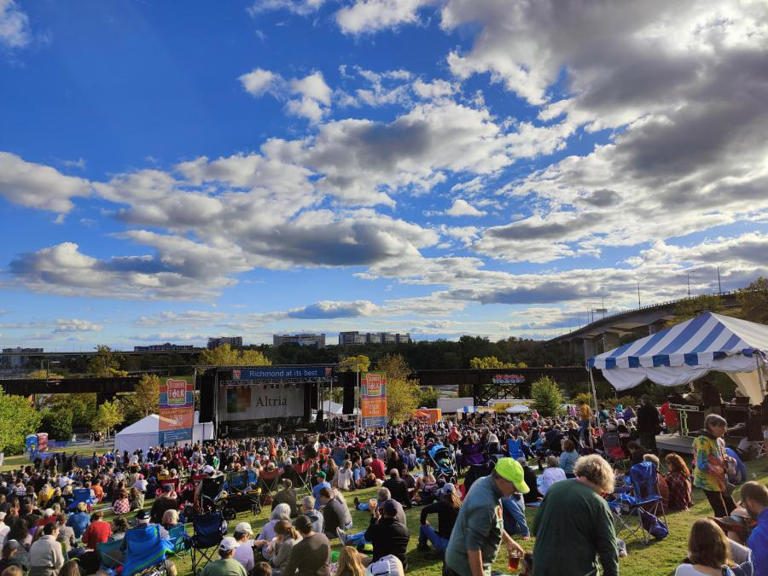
(177,411)
(373,400)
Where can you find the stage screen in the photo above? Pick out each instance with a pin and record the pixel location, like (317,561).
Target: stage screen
(241,400)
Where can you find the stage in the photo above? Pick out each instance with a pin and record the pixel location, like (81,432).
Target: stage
(675,443)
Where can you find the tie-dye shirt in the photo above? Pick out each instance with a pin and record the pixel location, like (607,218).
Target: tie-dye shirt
(709,471)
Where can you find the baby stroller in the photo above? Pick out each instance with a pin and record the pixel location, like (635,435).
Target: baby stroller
(212,495)
(241,496)
(441,458)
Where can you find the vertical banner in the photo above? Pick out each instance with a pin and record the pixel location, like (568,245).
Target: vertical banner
(177,411)
(374,400)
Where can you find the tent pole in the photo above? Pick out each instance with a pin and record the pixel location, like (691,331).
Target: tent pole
(594,396)
(760,367)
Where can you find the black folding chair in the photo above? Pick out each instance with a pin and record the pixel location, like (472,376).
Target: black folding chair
(208,529)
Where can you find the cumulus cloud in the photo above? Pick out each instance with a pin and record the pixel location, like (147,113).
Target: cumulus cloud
(38,186)
(374,15)
(308,97)
(461,207)
(14,25)
(334,309)
(258,81)
(76,325)
(302,7)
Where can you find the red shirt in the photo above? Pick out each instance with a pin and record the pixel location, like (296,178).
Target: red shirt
(670,415)
(97,533)
(377,466)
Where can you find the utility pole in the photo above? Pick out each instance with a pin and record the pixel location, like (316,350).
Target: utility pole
(638,295)
(719,286)
(689,284)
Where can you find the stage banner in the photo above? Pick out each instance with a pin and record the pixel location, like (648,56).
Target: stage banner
(373,399)
(244,400)
(282,373)
(177,411)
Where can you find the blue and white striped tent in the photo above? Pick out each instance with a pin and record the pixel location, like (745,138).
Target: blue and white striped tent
(688,351)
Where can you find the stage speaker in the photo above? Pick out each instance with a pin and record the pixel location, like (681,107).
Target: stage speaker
(313,400)
(207,386)
(348,381)
(310,400)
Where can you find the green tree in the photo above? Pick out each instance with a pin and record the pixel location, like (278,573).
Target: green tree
(754,301)
(547,398)
(82,407)
(395,366)
(17,419)
(428,397)
(359,363)
(692,307)
(225,355)
(109,415)
(105,364)
(146,399)
(58,424)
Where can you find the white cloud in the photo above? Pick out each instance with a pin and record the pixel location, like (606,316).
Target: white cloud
(38,186)
(302,7)
(374,15)
(258,81)
(14,25)
(308,97)
(461,207)
(433,90)
(76,325)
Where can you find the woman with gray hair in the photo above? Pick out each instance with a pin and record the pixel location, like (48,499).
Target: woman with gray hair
(281,512)
(575,523)
(711,464)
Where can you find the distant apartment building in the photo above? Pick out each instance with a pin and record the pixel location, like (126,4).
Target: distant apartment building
(167,347)
(233,341)
(359,338)
(307,339)
(18,357)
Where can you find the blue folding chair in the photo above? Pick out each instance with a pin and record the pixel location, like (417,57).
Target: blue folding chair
(208,529)
(179,539)
(515,449)
(144,548)
(80,495)
(644,500)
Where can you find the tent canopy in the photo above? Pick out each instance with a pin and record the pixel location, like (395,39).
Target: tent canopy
(688,351)
(146,433)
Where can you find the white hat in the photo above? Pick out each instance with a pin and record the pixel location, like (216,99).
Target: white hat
(48,512)
(228,544)
(244,528)
(208,469)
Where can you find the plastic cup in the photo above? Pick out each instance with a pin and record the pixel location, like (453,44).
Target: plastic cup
(513,561)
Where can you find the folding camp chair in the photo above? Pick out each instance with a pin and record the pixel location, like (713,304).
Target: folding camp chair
(145,549)
(614,450)
(631,511)
(179,539)
(515,449)
(210,493)
(208,529)
(304,472)
(80,495)
(111,554)
(269,480)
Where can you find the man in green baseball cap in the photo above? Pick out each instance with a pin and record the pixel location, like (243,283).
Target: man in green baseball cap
(479,529)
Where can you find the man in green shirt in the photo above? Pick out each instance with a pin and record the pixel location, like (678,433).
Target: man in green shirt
(574,524)
(226,565)
(479,529)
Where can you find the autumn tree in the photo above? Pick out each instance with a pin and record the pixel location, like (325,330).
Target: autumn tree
(225,355)
(402,391)
(359,363)
(491,362)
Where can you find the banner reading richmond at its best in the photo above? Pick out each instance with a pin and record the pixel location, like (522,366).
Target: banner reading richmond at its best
(374,400)
(177,411)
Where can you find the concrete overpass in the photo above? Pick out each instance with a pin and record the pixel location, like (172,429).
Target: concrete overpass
(609,332)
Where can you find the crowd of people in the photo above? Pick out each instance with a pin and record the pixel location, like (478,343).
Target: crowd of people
(46,531)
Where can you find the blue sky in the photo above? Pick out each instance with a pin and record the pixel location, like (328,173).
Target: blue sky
(441,167)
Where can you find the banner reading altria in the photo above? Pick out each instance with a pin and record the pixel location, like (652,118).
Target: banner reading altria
(177,411)
(373,400)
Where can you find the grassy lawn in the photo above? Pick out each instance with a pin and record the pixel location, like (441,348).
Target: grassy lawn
(655,559)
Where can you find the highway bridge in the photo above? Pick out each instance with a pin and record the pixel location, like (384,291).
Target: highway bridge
(609,332)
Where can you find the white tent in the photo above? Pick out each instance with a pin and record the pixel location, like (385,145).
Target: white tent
(146,433)
(690,350)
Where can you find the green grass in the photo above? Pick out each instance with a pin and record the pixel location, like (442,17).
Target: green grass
(655,559)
